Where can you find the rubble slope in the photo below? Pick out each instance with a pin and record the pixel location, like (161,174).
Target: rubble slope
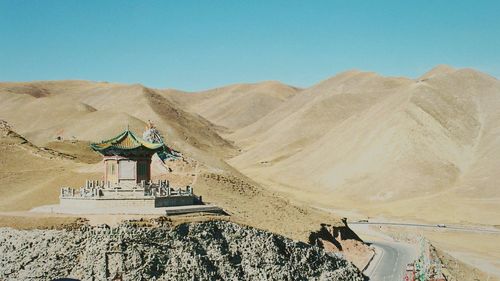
(214,250)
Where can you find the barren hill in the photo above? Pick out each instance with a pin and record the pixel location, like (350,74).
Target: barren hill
(238,105)
(424,149)
(79,111)
(383,145)
(360,138)
(90,111)
(31,176)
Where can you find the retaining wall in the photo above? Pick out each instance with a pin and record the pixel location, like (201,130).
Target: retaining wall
(126,203)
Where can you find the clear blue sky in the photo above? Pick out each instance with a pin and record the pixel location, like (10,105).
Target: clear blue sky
(193,45)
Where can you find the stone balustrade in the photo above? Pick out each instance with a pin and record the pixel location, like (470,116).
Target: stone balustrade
(100,189)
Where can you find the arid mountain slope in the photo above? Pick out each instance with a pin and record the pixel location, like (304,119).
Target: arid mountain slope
(31,176)
(425,149)
(239,105)
(89,111)
(304,118)
(359,137)
(358,140)
(79,111)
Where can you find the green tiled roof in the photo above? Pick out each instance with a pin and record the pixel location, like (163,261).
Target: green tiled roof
(126,141)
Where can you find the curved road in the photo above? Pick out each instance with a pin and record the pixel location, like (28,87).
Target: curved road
(391,258)
(389,263)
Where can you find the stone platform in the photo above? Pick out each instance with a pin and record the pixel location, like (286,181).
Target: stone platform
(131,202)
(116,210)
(128,198)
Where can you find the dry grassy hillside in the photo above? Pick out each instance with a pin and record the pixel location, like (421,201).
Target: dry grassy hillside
(424,149)
(306,117)
(382,145)
(400,145)
(239,105)
(90,111)
(79,112)
(31,176)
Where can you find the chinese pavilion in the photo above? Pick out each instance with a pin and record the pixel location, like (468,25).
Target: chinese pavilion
(127,186)
(127,158)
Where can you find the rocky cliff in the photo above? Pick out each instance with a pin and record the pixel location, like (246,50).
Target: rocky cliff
(213,250)
(341,238)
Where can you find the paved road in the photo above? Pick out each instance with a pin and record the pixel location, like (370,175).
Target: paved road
(447,227)
(389,264)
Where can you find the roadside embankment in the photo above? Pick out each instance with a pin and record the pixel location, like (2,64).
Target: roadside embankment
(341,239)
